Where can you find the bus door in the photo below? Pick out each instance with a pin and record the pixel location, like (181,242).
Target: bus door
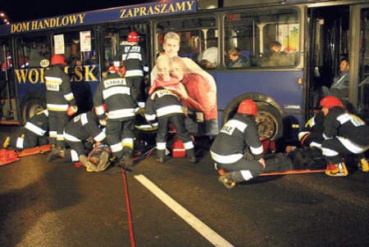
(329,43)
(116,40)
(7,88)
(363,60)
(338,32)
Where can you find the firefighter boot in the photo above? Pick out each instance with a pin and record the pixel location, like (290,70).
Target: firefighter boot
(55,153)
(191,155)
(337,170)
(6,142)
(86,163)
(128,163)
(227,181)
(363,165)
(230,179)
(160,156)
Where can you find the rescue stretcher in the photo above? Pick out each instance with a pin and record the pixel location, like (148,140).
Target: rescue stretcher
(10,156)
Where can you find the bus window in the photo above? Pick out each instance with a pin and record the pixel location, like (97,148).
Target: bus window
(78,48)
(31,50)
(111,48)
(256,35)
(5,57)
(76,44)
(6,89)
(199,39)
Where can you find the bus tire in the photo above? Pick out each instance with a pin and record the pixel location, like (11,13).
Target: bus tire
(31,108)
(269,120)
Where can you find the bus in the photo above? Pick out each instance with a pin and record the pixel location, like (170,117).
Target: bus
(314,37)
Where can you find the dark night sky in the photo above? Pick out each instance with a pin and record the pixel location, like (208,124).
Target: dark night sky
(22,10)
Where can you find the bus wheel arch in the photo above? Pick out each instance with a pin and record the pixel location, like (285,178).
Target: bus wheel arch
(32,104)
(269,118)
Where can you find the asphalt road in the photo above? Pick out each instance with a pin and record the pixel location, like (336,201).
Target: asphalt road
(176,204)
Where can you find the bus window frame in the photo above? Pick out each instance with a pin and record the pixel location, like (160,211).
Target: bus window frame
(296,11)
(158,46)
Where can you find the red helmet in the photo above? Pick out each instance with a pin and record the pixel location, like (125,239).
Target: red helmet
(58,59)
(249,107)
(330,101)
(113,69)
(133,37)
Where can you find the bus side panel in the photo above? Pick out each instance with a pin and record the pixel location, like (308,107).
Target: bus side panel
(280,87)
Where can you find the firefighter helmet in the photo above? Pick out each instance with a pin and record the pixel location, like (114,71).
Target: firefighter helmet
(58,59)
(330,101)
(133,37)
(114,69)
(248,106)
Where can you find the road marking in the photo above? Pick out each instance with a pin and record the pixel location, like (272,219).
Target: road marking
(197,224)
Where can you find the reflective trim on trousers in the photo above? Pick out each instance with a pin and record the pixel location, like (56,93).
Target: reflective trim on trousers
(226,159)
(20,143)
(354,148)
(35,129)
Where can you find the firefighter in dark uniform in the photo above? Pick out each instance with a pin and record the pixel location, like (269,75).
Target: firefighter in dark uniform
(59,97)
(312,134)
(79,130)
(164,105)
(134,60)
(115,92)
(35,132)
(344,133)
(235,138)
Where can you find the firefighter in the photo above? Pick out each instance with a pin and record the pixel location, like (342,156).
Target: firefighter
(164,105)
(344,133)
(35,132)
(235,138)
(113,97)
(134,59)
(59,99)
(77,131)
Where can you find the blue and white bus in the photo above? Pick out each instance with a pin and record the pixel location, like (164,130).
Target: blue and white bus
(314,36)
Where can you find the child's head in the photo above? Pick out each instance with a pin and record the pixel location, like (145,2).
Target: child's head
(276,46)
(234,53)
(177,68)
(163,67)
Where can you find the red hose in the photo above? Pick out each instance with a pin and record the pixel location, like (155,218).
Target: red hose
(129,214)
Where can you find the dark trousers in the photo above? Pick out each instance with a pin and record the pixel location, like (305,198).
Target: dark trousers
(30,140)
(253,166)
(178,122)
(57,121)
(116,131)
(138,88)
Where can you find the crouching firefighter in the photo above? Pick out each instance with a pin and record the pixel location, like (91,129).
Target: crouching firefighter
(113,98)
(78,131)
(35,133)
(344,134)
(235,137)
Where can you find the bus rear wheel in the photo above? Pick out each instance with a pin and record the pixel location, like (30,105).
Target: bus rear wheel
(269,122)
(31,108)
